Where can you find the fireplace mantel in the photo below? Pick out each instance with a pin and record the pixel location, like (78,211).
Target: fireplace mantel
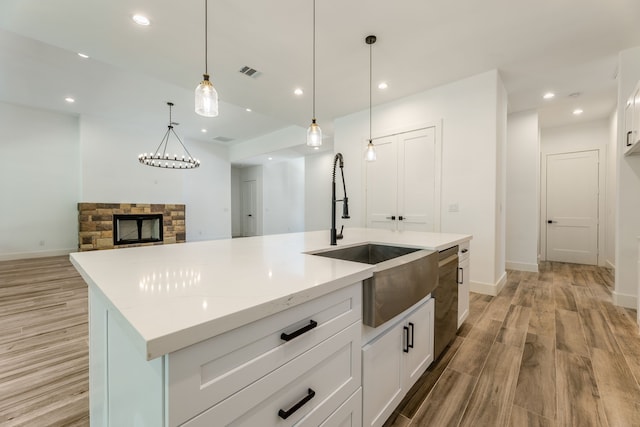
(96,223)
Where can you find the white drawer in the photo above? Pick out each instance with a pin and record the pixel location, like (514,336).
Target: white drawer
(206,373)
(347,415)
(330,370)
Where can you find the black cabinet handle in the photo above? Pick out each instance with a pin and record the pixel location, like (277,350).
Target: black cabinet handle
(411,326)
(405,345)
(288,337)
(628,135)
(460,275)
(286,414)
(464,251)
(401,217)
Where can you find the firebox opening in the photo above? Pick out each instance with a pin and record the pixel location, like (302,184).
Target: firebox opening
(137,228)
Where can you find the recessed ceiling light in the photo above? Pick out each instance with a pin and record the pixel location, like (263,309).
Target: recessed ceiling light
(248,110)
(83,55)
(270,158)
(577,112)
(316,148)
(383,85)
(70,100)
(298,91)
(549,95)
(203,130)
(141,20)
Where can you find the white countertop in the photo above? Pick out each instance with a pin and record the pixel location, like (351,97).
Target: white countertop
(177,295)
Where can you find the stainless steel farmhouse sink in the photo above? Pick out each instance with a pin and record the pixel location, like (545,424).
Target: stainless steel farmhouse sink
(402,277)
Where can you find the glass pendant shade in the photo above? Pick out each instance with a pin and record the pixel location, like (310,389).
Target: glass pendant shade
(370,153)
(206,98)
(314,135)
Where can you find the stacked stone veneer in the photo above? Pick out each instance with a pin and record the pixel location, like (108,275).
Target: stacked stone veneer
(96,223)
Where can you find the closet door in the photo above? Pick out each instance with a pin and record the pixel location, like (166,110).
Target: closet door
(382,185)
(417,185)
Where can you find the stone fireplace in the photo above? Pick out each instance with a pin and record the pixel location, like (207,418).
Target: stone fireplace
(121,225)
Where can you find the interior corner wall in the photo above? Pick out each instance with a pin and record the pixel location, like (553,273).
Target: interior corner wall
(468,112)
(40,182)
(628,190)
(317,191)
(501,187)
(523,191)
(610,203)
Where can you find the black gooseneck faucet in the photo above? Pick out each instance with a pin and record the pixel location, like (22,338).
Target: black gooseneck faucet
(345,201)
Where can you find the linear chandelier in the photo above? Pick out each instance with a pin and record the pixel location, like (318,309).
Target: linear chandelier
(162,159)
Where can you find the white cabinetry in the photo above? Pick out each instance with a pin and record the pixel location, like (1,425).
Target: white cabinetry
(299,366)
(394,360)
(403,184)
(464,273)
(632,123)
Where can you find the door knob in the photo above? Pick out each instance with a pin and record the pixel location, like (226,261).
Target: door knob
(550,221)
(392,217)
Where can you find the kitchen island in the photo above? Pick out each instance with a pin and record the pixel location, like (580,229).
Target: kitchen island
(187,333)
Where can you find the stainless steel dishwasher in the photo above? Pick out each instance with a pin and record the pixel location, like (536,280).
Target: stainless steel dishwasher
(446,300)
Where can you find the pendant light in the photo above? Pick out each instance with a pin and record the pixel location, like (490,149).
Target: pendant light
(370,153)
(314,133)
(161,159)
(206,95)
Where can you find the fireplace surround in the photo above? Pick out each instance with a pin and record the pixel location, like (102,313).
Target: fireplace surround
(165,223)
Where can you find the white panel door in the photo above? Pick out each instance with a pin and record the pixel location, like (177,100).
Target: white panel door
(417,180)
(382,185)
(572,207)
(249,202)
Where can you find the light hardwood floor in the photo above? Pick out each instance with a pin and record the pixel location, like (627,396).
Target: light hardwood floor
(550,350)
(44,352)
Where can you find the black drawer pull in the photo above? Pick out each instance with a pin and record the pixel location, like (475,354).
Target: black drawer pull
(288,337)
(412,326)
(286,414)
(405,345)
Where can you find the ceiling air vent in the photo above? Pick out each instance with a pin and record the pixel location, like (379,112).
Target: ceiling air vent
(248,71)
(222,139)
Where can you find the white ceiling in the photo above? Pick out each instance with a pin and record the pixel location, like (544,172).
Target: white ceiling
(568,46)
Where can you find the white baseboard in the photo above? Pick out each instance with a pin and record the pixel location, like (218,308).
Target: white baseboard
(36,254)
(625,300)
(489,288)
(609,264)
(521,266)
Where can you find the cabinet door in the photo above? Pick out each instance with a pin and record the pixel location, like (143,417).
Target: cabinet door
(463,290)
(635,125)
(382,186)
(628,122)
(418,342)
(382,377)
(418,193)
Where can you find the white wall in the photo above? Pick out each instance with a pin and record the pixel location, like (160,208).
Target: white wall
(39,182)
(468,110)
(501,187)
(288,137)
(283,196)
(317,191)
(628,195)
(610,203)
(523,191)
(594,135)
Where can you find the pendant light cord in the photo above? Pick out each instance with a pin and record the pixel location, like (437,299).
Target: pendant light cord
(206,36)
(370,80)
(314,59)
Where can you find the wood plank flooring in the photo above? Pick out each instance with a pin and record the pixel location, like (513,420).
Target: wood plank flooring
(44,352)
(550,350)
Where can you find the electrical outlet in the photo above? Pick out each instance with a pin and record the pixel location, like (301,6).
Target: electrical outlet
(41,242)
(454,207)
